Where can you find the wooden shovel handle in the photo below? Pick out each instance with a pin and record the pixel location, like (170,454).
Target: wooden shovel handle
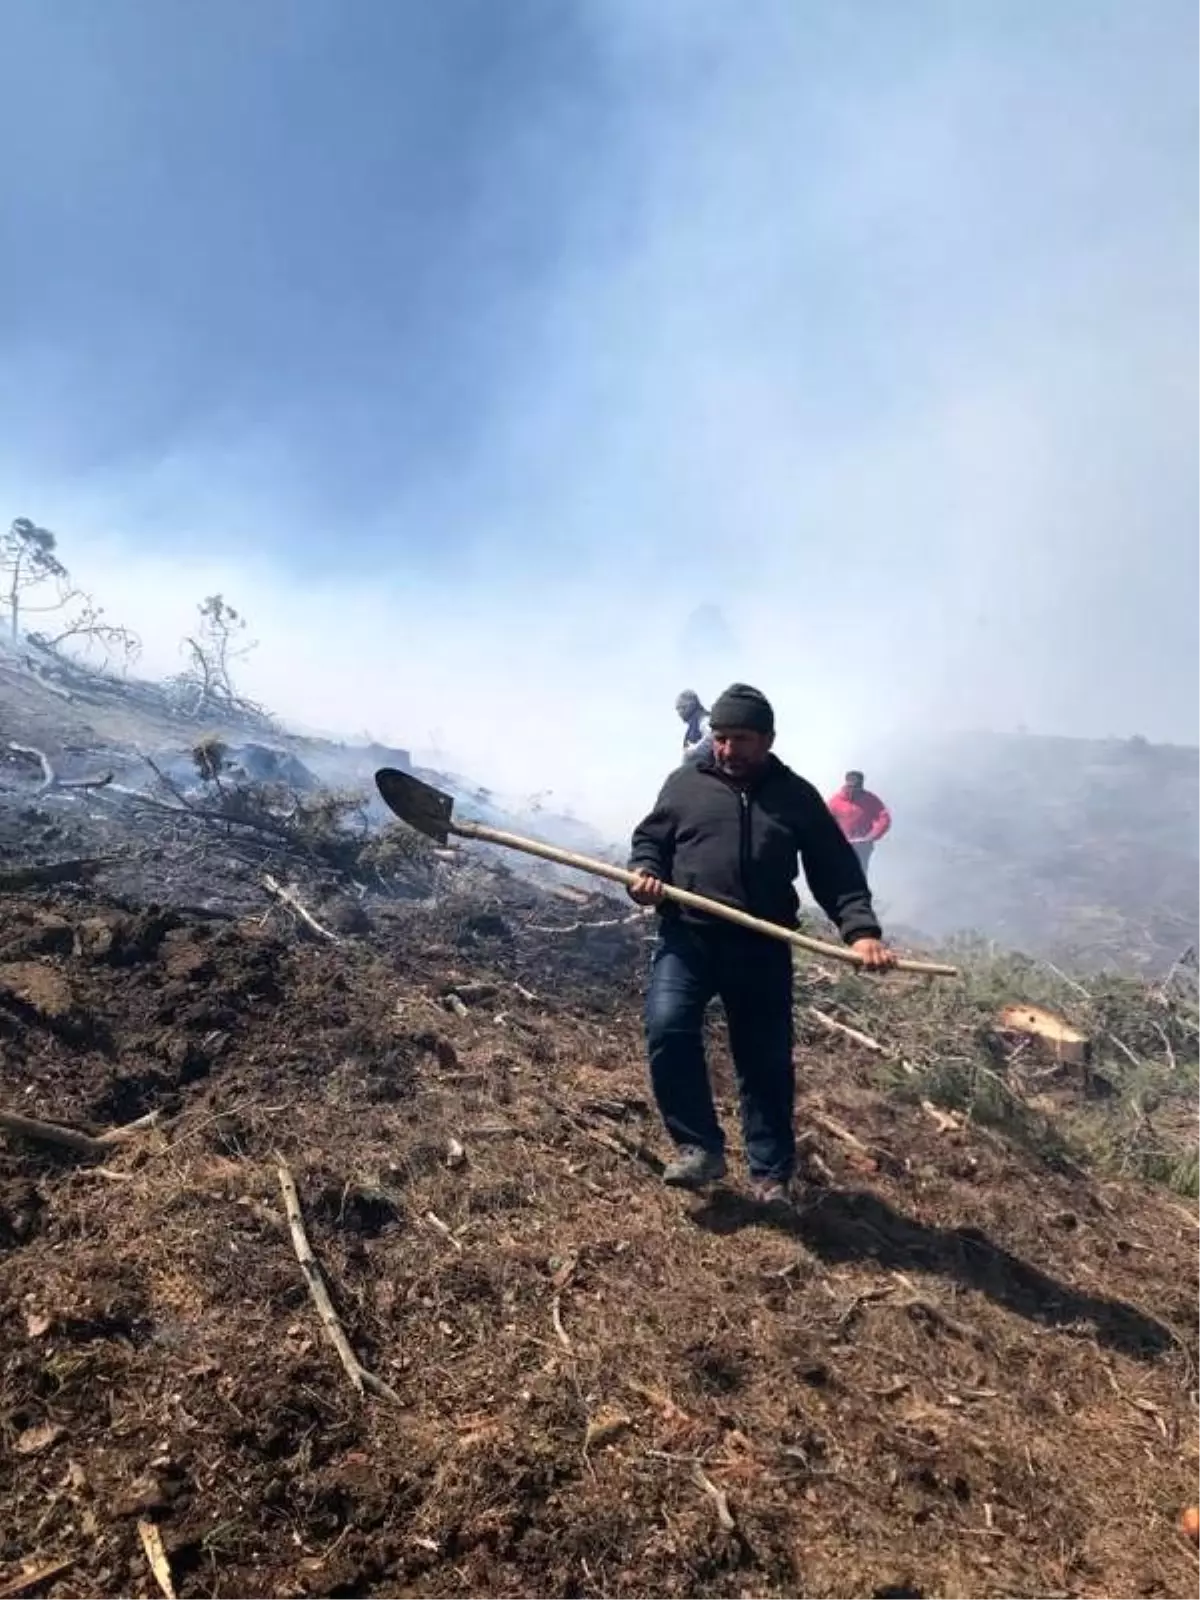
(684,897)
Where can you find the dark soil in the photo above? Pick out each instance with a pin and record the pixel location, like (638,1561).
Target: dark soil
(950,1371)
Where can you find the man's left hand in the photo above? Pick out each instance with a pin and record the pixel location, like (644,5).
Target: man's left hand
(876,957)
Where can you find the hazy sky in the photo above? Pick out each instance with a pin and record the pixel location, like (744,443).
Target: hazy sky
(513,363)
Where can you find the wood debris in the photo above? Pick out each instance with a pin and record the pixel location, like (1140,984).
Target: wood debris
(50,778)
(75,868)
(1056,1036)
(718,1497)
(359,1377)
(36,1440)
(444,1228)
(832,1025)
(608,1424)
(32,1576)
(837,1130)
(945,1121)
(156,1555)
(560,1333)
(292,900)
(53,1133)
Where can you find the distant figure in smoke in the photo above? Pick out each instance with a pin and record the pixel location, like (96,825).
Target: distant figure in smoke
(697,738)
(861,815)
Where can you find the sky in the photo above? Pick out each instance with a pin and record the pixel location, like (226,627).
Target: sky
(514,366)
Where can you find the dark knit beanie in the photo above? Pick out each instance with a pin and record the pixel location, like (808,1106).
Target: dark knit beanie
(742,707)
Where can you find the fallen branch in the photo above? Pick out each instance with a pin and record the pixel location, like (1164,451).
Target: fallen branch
(608,1424)
(272,826)
(571,892)
(931,1309)
(837,1130)
(616,1142)
(718,1497)
(832,1025)
(815,1163)
(53,1133)
(662,1402)
(50,778)
(156,1555)
(129,1129)
(168,783)
(576,927)
(359,1377)
(619,1146)
(289,898)
(1125,1050)
(33,1576)
(85,1144)
(935,1313)
(444,1228)
(614,1110)
(53,872)
(1170,1054)
(59,689)
(1185,958)
(559,1331)
(101,782)
(855,1305)
(945,1121)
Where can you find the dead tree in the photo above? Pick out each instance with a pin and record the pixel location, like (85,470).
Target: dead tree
(28,561)
(206,684)
(88,629)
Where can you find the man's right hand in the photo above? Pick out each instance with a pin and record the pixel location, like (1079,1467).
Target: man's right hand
(646,889)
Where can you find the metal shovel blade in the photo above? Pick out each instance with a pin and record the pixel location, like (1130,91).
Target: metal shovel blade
(419,804)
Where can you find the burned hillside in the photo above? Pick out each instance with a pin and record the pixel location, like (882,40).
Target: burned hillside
(960,1367)
(1080,850)
(234,1032)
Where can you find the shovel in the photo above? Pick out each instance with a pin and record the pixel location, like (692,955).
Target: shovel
(429,811)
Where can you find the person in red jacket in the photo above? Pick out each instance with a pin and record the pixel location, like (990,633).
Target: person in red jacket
(861,815)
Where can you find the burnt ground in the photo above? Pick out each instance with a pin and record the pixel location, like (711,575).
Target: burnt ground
(953,1370)
(964,1365)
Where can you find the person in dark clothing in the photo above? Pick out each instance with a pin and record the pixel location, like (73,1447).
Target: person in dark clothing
(735,827)
(697,741)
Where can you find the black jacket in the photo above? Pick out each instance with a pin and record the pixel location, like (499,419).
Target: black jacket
(745,847)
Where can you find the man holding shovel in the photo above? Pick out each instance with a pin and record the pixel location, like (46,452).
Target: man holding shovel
(735,827)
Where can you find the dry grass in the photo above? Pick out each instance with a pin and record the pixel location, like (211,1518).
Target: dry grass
(1130,1111)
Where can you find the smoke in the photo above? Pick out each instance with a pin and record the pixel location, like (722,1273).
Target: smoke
(857,362)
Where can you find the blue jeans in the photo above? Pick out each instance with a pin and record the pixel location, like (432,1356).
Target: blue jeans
(752,976)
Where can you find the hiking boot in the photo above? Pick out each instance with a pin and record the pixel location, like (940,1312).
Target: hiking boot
(693,1168)
(773,1191)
